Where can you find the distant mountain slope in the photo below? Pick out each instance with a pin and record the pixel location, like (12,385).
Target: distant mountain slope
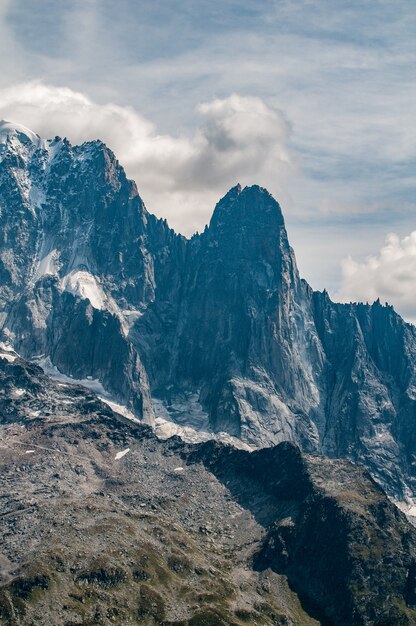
(104,290)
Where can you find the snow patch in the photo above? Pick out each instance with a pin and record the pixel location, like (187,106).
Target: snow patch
(53,372)
(166,426)
(84,285)
(18,392)
(9,357)
(4,347)
(53,148)
(129,318)
(120,455)
(36,196)
(7,352)
(90,383)
(408,507)
(119,408)
(48,265)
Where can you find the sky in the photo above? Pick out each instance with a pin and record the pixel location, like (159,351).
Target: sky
(313,99)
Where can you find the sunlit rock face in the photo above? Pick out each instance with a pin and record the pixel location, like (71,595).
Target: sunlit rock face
(242,332)
(218,332)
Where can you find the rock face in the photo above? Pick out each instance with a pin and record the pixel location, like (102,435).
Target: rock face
(102,523)
(75,269)
(104,290)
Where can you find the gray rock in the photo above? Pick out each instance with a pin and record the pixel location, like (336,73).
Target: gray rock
(220,328)
(316,540)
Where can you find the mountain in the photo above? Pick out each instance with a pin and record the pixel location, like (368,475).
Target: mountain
(103,523)
(217,333)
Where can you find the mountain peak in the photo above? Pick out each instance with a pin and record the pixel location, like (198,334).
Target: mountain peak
(17,140)
(233,192)
(246,206)
(9,130)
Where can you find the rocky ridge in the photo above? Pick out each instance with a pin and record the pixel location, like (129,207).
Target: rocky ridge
(218,332)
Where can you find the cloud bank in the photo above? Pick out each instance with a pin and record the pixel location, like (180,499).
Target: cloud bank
(343,73)
(239,139)
(389,275)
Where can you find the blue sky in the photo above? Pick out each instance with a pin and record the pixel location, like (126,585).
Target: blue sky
(316,100)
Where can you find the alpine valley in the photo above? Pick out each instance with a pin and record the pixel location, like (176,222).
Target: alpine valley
(190,434)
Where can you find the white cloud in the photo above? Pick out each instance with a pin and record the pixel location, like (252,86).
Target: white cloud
(390,275)
(343,73)
(240,139)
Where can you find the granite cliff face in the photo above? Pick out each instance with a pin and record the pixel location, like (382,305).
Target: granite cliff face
(219,330)
(242,333)
(75,267)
